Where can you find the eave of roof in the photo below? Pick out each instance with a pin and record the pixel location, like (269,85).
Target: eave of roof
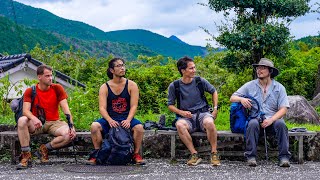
(9,62)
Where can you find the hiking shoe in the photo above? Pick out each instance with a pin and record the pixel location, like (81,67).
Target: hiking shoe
(215,159)
(42,153)
(91,161)
(252,162)
(284,162)
(25,160)
(194,160)
(138,159)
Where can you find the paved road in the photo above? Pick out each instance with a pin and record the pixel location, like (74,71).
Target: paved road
(162,169)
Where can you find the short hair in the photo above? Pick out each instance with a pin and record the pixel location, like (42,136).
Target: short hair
(111,66)
(42,67)
(183,63)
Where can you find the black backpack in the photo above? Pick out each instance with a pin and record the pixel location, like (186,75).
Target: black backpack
(17,104)
(117,148)
(103,154)
(122,147)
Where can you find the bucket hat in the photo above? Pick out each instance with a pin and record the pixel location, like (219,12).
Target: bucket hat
(267,62)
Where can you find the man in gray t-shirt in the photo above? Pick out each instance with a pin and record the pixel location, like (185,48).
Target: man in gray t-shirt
(273,101)
(193,113)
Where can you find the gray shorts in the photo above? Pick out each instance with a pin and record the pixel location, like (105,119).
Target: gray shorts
(192,121)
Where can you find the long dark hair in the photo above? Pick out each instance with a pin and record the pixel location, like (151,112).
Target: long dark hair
(111,66)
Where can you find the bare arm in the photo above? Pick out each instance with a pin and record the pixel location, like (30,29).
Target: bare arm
(65,108)
(103,94)
(27,112)
(182,113)
(215,104)
(34,120)
(134,98)
(244,101)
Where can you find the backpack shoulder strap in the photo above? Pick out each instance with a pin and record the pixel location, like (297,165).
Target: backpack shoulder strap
(177,92)
(33,94)
(201,89)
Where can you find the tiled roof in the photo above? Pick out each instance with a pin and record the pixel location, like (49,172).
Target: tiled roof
(9,62)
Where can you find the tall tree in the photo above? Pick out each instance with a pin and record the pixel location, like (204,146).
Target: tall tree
(259,28)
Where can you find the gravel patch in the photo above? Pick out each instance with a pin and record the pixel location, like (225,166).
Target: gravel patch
(162,169)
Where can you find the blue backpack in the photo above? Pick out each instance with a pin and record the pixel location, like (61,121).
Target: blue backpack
(240,116)
(117,148)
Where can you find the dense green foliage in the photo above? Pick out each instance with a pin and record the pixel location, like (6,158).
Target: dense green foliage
(153,76)
(12,38)
(41,19)
(19,39)
(260,29)
(127,44)
(299,72)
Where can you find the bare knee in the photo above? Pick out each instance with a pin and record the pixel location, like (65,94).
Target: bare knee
(209,125)
(22,122)
(138,129)
(181,125)
(95,127)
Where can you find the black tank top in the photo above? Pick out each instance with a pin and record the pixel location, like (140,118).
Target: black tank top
(118,106)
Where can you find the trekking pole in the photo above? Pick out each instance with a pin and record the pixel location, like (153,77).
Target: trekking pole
(265,142)
(70,128)
(262,118)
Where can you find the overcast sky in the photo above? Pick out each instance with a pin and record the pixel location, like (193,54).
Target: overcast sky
(181,18)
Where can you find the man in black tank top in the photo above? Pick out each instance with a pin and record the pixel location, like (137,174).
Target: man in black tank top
(118,102)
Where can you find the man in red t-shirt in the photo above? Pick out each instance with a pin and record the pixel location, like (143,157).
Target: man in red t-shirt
(46,104)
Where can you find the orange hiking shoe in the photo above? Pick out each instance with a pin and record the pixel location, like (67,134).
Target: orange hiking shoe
(25,160)
(138,159)
(42,153)
(92,160)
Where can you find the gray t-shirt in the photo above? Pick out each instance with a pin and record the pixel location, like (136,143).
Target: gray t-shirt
(190,95)
(275,98)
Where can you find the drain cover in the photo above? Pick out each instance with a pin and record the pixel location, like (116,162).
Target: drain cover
(103,169)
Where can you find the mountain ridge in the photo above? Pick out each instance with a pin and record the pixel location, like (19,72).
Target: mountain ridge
(44,20)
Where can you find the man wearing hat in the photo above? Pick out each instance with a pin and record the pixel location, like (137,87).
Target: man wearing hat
(273,101)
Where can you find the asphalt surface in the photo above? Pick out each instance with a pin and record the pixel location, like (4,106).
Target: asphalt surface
(65,168)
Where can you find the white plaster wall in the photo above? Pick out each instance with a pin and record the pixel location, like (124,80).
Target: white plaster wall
(18,74)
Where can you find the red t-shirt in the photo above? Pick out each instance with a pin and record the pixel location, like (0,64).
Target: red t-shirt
(49,100)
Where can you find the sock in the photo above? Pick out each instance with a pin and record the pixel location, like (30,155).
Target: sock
(49,147)
(25,149)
